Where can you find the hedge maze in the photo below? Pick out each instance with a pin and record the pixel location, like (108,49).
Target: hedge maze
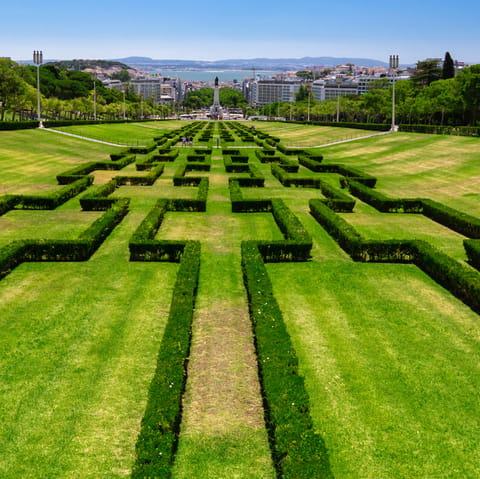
(249,161)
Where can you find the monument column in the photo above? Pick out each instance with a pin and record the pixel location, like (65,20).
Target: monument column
(216,111)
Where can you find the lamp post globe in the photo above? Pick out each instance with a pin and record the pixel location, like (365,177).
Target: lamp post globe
(393,63)
(38,60)
(338,81)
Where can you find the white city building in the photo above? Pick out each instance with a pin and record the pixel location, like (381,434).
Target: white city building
(263,92)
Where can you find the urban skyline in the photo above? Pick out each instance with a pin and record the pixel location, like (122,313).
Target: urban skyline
(216,30)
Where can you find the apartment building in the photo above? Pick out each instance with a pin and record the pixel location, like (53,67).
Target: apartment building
(263,92)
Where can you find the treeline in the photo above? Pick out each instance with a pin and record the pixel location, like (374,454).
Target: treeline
(425,99)
(66,95)
(203,98)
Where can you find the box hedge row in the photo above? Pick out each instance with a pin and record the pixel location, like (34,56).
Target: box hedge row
(458,221)
(144,247)
(459,279)
(240,205)
(55,198)
(298,450)
(347,171)
(157,442)
(75,173)
(472,247)
(298,242)
(79,249)
(384,203)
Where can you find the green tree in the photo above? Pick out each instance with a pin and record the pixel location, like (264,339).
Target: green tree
(427,71)
(305,74)
(448,70)
(302,93)
(12,86)
(122,75)
(201,98)
(229,97)
(469,80)
(446,100)
(377,101)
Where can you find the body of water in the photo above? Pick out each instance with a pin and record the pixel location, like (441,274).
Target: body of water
(209,75)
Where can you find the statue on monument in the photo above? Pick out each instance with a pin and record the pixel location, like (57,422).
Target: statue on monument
(216,110)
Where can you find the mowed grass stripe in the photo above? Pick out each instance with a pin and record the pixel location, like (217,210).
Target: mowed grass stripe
(292,134)
(80,343)
(31,159)
(442,168)
(223,432)
(391,362)
(401,351)
(120,133)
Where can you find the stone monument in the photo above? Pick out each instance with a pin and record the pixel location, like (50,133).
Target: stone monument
(216,110)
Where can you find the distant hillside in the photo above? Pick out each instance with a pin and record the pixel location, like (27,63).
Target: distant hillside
(260,63)
(83,64)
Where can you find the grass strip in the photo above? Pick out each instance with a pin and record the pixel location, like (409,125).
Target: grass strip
(461,281)
(158,438)
(298,450)
(80,249)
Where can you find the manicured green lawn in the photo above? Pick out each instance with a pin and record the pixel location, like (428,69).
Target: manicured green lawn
(390,358)
(299,135)
(123,133)
(31,159)
(443,168)
(391,362)
(79,345)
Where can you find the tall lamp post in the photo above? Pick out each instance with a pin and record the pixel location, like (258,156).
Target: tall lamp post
(95,96)
(38,60)
(393,67)
(338,81)
(308,108)
(124,105)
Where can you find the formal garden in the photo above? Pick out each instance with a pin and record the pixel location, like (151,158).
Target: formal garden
(271,300)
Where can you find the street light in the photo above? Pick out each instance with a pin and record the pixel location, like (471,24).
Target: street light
(308,110)
(38,60)
(95,96)
(393,67)
(338,80)
(124,106)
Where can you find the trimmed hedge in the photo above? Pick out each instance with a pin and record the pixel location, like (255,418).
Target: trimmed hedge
(7,203)
(384,203)
(441,129)
(311,163)
(143,149)
(240,205)
(462,223)
(57,197)
(198,204)
(298,242)
(147,180)
(81,170)
(461,281)
(290,151)
(458,221)
(298,451)
(79,249)
(233,166)
(361,126)
(144,247)
(96,198)
(350,172)
(336,200)
(157,442)
(472,247)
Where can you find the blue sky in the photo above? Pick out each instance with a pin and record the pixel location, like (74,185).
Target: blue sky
(215,30)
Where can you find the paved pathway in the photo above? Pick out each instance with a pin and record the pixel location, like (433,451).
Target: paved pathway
(84,137)
(345,141)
